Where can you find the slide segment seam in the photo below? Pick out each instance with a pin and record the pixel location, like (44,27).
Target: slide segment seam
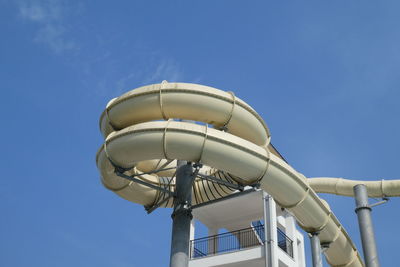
(231,112)
(204,142)
(164,140)
(162,86)
(298,202)
(382,188)
(109,120)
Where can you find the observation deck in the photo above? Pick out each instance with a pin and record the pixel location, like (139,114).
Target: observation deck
(246,229)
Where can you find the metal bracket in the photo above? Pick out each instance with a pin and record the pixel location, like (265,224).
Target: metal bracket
(155,206)
(383,201)
(368,207)
(325,246)
(197,166)
(186,211)
(256,185)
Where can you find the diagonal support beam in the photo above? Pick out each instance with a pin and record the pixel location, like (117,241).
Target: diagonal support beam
(151,172)
(133,179)
(219,181)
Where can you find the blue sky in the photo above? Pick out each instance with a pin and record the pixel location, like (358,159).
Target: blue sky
(323,74)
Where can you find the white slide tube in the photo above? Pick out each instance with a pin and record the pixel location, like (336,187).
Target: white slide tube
(134,139)
(344,187)
(236,156)
(188,102)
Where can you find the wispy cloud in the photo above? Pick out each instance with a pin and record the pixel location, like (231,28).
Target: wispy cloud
(53,36)
(112,65)
(41,10)
(158,69)
(48,15)
(165,69)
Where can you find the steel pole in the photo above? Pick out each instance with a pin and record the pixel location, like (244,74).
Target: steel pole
(182,215)
(363,211)
(316,250)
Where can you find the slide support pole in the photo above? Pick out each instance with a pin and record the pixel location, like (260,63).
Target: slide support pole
(182,215)
(316,250)
(363,210)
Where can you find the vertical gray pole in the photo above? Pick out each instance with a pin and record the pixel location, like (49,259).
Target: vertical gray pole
(270,232)
(363,211)
(267,244)
(182,215)
(316,250)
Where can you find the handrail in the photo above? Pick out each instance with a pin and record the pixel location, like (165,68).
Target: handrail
(285,243)
(236,240)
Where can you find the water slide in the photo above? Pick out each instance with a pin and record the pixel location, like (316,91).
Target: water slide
(147,129)
(344,187)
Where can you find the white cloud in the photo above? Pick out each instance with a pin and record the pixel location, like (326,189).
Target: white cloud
(53,36)
(41,10)
(48,15)
(32,12)
(102,64)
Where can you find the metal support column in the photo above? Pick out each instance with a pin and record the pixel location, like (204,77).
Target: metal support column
(363,211)
(316,250)
(182,215)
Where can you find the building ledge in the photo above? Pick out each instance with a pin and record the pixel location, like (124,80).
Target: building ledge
(253,254)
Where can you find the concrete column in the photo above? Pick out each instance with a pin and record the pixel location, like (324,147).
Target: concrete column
(290,224)
(271,234)
(301,254)
(363,211)
(316,250)
(181,216)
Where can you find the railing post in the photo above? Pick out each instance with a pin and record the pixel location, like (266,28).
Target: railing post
(212,233)
(239,240)
(215,244)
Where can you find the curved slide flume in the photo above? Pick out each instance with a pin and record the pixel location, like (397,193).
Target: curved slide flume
(344,187)
(236,144)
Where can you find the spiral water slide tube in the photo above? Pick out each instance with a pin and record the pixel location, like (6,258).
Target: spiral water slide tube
(144,132)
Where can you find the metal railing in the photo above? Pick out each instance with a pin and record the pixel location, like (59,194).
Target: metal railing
(285,243)
(236,240)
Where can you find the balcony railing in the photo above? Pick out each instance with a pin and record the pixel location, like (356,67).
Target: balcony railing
(236,240)
(285,243)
